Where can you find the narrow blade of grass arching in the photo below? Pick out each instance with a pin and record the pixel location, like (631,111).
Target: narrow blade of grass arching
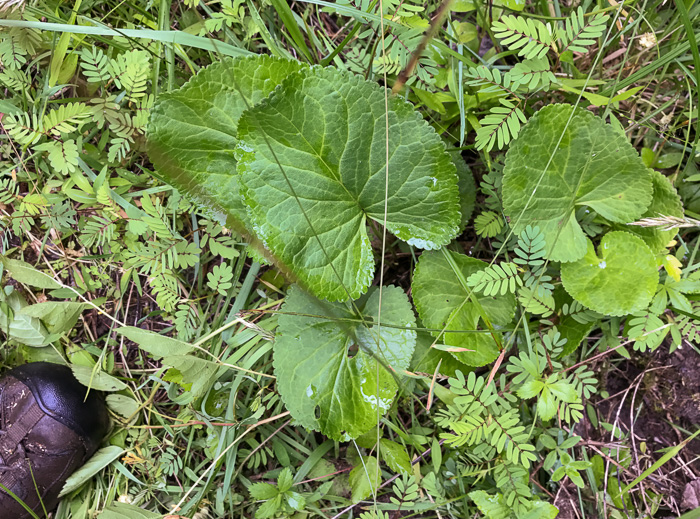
(242,297)
(377,477)
(13,496)
(350,36)
(175,37)
(275,49)
(247,353)
(164,25)
(432,386)
(58,53)
(217,460)
(345,10)
(661,461)
(643,72)
(318,454)
(289,22)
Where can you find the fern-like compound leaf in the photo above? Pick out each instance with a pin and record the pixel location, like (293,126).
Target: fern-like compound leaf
(689,327)
(490,79)
(131,72)
(500,127)
(95,65)
(647,330)
(14,79)
(9,191)
(513,481)
(533,73)
(584,382)
(496,279)
(530,37)
(65,119)
(12,54)
(97,231)
(580,313)
(579,33)
(536,302)
(531,248)
(24,129)
(488,223)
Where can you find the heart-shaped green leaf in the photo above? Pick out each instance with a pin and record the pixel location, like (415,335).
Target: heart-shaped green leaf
(365,478)
(619,280)
(566,157)
(313,165)
(57,316)
(323,357)
(444,302)
(192,130)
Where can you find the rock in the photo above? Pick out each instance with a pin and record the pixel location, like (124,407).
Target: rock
(691,496)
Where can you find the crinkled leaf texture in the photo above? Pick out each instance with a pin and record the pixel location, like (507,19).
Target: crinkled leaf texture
(192,130)
(443,302)
(323,358)
(591,165)
(619,280)
(312,164)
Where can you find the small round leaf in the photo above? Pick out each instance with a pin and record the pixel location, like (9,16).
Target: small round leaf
(619,280)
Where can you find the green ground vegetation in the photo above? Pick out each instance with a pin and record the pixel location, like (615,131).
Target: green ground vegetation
(363,258)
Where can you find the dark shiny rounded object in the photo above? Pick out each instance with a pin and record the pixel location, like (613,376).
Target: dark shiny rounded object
(49,426)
